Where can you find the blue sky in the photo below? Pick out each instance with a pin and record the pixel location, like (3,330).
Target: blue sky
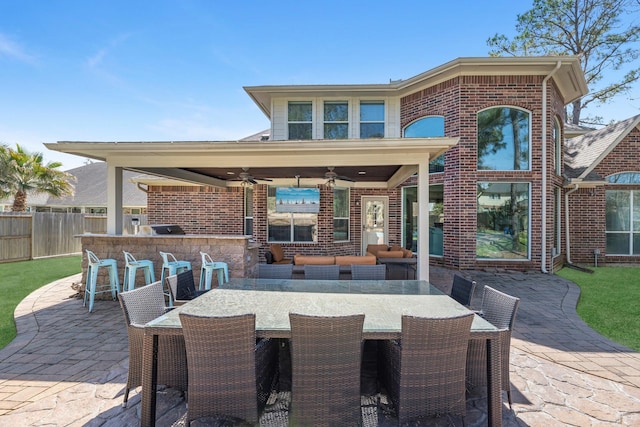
(113,70)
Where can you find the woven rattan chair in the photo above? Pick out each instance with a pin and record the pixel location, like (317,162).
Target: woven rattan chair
(368,272)
(325,358)
(230,375)
(462,290)
(500,310)
(322,272)
(182,287)
(275,271)
(140,306)
(424,372)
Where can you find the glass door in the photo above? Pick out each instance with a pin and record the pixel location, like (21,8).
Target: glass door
(375,223)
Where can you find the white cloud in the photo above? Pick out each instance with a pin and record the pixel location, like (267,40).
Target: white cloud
(12,50)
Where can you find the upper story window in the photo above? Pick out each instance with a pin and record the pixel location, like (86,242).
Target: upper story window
(300,120)
(426,127)
(624,178)
(503,139)
(336,120)
(371,119)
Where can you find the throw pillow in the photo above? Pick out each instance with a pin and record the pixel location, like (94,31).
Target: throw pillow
(278,253)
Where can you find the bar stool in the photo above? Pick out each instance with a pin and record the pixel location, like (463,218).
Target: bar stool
(130,269)
(92,278)
(208,266)
(173,266)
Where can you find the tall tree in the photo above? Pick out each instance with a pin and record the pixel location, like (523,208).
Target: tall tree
(23,173)
(590,29)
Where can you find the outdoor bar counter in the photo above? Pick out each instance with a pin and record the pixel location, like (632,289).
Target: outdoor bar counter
(239,252)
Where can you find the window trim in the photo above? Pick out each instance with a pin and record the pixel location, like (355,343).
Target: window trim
(361,122)
(289,122)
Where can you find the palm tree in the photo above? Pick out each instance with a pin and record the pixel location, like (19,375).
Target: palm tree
(23,173)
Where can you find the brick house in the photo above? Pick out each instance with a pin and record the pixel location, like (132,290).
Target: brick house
(603,194)
(463,162)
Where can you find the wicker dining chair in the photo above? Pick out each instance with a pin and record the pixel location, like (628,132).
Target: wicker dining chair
(462,290)
(140,306)
(424,372)
(275,271)
(368,272)
(322,272)
(231,375)
(500,310)
(325,362)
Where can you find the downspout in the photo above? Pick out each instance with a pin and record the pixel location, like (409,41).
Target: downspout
(566,220)
(543,260)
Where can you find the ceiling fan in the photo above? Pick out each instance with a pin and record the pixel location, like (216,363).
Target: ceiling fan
(331,177)
(248,179)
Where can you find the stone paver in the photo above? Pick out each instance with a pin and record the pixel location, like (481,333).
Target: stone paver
(68,367)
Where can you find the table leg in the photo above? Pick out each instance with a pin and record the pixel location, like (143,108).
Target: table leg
(494,382)
(149,380)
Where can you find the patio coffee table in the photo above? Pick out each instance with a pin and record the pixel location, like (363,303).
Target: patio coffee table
(383,303)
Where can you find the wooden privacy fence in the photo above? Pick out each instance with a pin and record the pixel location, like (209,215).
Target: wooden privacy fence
(45,234)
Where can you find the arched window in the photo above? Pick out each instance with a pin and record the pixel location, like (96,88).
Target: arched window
(624,178)
(503,139)
(426,127)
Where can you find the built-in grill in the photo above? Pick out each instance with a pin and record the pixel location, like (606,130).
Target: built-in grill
(167,229)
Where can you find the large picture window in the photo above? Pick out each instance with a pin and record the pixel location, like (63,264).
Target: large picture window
(300,120)
(289,226)
(503,139)
(623,222)
(340,214)
(503,220)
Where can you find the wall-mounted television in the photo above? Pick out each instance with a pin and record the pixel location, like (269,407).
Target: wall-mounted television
(299,200)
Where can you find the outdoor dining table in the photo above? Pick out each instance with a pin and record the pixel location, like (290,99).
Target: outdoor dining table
(383,303)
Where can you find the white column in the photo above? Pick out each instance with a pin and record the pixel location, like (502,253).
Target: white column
(423,220)
(114,199)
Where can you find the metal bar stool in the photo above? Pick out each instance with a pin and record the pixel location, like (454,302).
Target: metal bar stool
(171,265)
(130,269)
(91,287)
(206,273)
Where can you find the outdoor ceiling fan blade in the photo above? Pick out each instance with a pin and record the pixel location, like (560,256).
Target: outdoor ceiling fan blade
(345,178)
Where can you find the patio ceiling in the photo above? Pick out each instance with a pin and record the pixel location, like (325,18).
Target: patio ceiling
(379,163)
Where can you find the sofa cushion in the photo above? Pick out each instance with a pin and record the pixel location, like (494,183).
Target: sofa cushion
(396,248)
(374,249)
(391,254)
(277,252)
(352,259)
(313,260)
(407,253)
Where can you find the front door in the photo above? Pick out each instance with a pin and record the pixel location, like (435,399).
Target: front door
(375,223)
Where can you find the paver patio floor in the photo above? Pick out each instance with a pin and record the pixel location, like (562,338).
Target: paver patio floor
(68,367)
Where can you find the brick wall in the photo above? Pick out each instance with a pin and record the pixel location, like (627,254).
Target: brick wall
(588,206)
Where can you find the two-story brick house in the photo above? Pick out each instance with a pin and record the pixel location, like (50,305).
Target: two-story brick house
(463,162)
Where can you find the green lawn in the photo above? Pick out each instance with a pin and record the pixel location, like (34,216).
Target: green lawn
(609,301)
(19,279)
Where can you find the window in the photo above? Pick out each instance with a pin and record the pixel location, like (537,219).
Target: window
(623,222)
(289,226)
(503,220)
(371,119)
(336,120)
(624,178)
(340,214)
(503,139)
(426,127)
(248,211)
(300,118)
(436,218)
(557,219)
(557,147)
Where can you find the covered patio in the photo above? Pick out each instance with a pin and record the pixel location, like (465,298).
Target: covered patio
(382,164)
